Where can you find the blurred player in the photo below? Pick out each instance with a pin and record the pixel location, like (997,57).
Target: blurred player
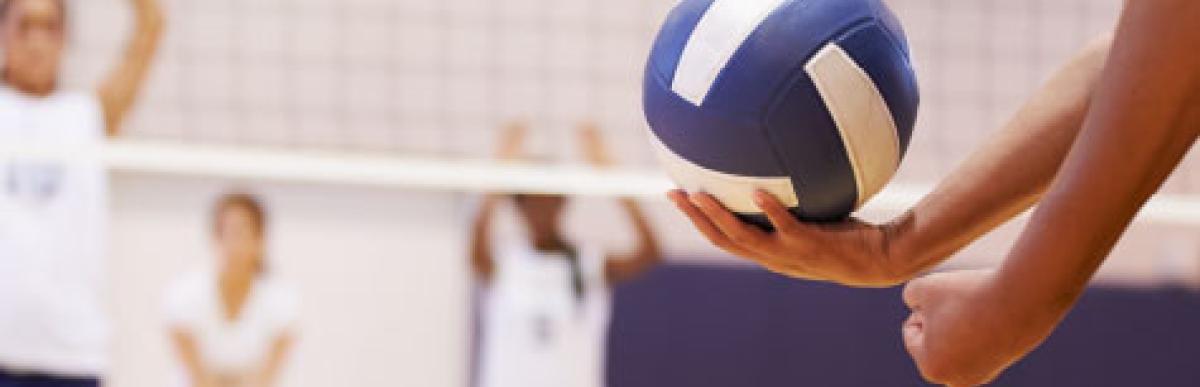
(547,303)
(233,323)
(53,214)
(1090,149)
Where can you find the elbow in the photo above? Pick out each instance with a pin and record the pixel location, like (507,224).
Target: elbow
(651,251)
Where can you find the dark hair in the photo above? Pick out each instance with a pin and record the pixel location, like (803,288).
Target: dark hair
(5,5)
(244,201)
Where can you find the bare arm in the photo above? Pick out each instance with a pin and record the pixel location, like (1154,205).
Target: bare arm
(1004,178)
(621,268)
(119,91)
(482,260)
(1145,117)
(967,327)
(275,361)
(1009,173)
(185,347)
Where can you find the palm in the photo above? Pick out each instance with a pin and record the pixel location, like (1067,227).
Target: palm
(851,253)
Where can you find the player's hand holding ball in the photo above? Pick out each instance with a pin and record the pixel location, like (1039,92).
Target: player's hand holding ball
(780,119)
(852,253)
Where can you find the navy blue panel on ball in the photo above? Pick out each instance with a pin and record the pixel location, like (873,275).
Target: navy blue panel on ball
(674,35)
(884,60)
(810,147)
(777,50)
(712,141)
(887,19)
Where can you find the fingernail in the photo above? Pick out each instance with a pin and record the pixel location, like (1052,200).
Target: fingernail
(761,197)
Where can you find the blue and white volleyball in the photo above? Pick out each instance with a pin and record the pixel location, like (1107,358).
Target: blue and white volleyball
(811,100)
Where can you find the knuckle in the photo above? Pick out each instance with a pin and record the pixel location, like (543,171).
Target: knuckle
(788,229)
(741,238)
(721,243)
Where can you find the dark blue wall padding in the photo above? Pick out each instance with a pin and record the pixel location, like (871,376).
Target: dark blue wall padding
(699,326)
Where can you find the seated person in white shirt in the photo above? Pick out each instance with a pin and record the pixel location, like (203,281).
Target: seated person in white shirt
(233,323)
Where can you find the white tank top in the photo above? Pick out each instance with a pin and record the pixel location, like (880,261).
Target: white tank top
(52,238)
(536,332)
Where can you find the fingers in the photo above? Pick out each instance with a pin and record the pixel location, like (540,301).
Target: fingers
(915,293)
(700,220)
(913,331)
(778,214)
(746,236)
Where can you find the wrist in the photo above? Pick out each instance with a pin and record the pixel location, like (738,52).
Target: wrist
(1028,319)
(904,257)
(1043,295)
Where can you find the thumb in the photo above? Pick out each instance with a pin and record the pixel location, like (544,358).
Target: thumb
(914,342)
(914,335)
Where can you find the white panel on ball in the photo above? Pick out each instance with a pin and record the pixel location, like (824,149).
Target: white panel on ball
(734,191)
(862,117)
(718,35)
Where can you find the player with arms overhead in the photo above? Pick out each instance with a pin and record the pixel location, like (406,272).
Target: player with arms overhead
(547,303)
(53,214)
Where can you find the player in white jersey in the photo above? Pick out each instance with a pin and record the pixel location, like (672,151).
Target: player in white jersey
(53,214)
(547,303)
(233,323)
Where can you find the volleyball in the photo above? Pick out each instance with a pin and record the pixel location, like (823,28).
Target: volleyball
(813,101)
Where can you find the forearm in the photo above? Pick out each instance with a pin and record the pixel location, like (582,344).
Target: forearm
(185,347)
(279,352)
(1145,118)
(118,92)
(1008,174)
(481,250)
(619,269)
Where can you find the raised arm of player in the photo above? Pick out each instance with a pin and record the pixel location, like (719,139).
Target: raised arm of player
(622,267)
(966,327)
(1003,178)
(482,260)
(119,91)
